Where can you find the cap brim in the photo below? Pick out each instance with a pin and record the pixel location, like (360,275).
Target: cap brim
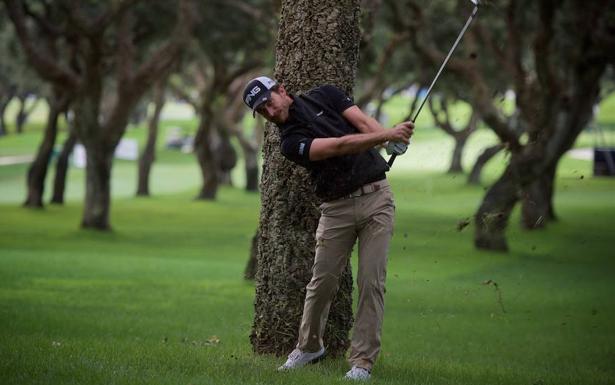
(259,102)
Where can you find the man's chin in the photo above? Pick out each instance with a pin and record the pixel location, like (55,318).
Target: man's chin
(277,120)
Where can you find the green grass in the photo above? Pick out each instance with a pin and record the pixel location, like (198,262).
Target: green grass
(161,299)
(138,305)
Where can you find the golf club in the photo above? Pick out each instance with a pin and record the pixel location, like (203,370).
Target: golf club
(463,31)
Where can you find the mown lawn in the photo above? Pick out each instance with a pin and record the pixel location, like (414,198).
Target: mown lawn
(161,298)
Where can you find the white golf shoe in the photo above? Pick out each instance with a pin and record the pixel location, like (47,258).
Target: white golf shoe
(358,374)
(297,359)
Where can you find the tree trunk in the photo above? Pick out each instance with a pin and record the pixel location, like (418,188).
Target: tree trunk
(99,158)
(492,216)
(19,119)
(481,161)
(59,184)
(4,102)
(227,157)
(537,205)
(251,159)
(317,44)
(250,271)
(97,187)
(149,152)
(249,146)
(206,156)
(24,112)
(38,169)
(460,142)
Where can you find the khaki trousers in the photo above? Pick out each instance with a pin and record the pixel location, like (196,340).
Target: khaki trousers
(370,219)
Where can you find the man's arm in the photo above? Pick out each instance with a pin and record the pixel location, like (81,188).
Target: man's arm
(323,148)
(361,120)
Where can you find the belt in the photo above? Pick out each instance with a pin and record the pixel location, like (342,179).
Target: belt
(366,189)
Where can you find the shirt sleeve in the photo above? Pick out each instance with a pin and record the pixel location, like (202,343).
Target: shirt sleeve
(338,99)
(297,149)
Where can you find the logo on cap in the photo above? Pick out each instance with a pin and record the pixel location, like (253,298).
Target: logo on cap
(257,91)
(253,92)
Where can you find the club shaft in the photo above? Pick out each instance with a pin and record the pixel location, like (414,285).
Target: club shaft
(450,53)
(435,79)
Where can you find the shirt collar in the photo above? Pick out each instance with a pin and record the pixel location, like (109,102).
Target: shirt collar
(294,111)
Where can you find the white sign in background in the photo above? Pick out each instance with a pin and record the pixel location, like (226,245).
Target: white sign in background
(127,149)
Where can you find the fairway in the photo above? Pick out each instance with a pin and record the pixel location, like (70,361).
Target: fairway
(161,299)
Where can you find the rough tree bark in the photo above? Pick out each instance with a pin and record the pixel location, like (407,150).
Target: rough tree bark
(37,172)
(149,152)
(317,43)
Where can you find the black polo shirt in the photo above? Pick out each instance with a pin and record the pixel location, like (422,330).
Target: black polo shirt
(318,114)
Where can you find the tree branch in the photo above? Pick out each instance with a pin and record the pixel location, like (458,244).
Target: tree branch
(125,51)
(47,66)
(164,58)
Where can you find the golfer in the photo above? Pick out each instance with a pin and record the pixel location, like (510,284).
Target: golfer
(325,132)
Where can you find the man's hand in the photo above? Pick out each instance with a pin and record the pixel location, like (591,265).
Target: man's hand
(401,133)
(400,138)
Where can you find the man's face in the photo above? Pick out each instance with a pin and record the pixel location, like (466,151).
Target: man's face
(276,108)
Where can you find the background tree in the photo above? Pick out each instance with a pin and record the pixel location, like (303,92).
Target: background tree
(18,82)
(231,119)
(59,181)
(384,70)
(216,60)
(7,89)
(104,41)
(23,82)
(555,53)
(27,100)
(149,151)
(37,172)
(317,44)
(439,107)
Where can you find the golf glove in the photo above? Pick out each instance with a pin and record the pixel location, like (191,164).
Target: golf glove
(396,148)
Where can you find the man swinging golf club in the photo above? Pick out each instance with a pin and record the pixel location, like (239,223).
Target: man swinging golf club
(325,132)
